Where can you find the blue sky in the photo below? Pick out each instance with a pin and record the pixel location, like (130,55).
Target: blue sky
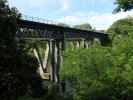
(96,12)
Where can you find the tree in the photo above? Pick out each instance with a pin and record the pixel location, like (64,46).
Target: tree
(122,27)
(84,26)
(17,68)
(124,5)
(64,25)
(102,73)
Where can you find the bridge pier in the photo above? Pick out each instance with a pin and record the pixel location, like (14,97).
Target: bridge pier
(87,43)
(58,60)
(78,44)
(55,57)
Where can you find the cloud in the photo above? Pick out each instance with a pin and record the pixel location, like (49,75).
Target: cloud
(103,21)
(70,20)
(62,4)
(29,4)
(97,20)
(55,8)
(38,3)
(41,6)
(65,4)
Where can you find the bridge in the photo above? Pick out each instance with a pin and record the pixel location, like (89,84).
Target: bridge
(55,35)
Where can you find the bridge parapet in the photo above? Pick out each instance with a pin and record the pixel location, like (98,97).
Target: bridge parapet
(40,20)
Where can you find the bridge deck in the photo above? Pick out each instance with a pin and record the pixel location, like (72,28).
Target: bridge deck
(50,31)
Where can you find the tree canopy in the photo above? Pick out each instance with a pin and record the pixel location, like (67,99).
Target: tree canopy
(123,27)
(84,26)
(123,5)
(17,68)
(102,73)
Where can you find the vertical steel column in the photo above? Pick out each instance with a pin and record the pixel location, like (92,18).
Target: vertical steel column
(78,44)
(87,43)
(58,60)
(52,59)
(55,55)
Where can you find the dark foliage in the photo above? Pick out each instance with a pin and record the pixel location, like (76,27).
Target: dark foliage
(123,5)
(17,68)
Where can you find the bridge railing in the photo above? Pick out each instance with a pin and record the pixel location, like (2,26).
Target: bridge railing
(40,20)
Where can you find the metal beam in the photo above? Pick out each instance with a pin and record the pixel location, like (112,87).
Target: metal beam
(29,29)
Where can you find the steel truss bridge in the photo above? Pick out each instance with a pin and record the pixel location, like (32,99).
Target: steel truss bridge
(55,36)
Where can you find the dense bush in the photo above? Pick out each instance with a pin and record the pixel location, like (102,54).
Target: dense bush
(102,73)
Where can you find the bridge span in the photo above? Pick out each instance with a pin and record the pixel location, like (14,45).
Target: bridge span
(55,35)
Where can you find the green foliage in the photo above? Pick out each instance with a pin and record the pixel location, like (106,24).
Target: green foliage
(64,25)
(124,5)
(102,73)
(97,73)
(122,27)
(85,26)
(85,70)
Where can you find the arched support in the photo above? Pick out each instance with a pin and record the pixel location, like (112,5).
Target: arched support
(45,74)
(46,57)
(37,55)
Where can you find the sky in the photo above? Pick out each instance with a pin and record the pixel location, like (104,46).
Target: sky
(72,12)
